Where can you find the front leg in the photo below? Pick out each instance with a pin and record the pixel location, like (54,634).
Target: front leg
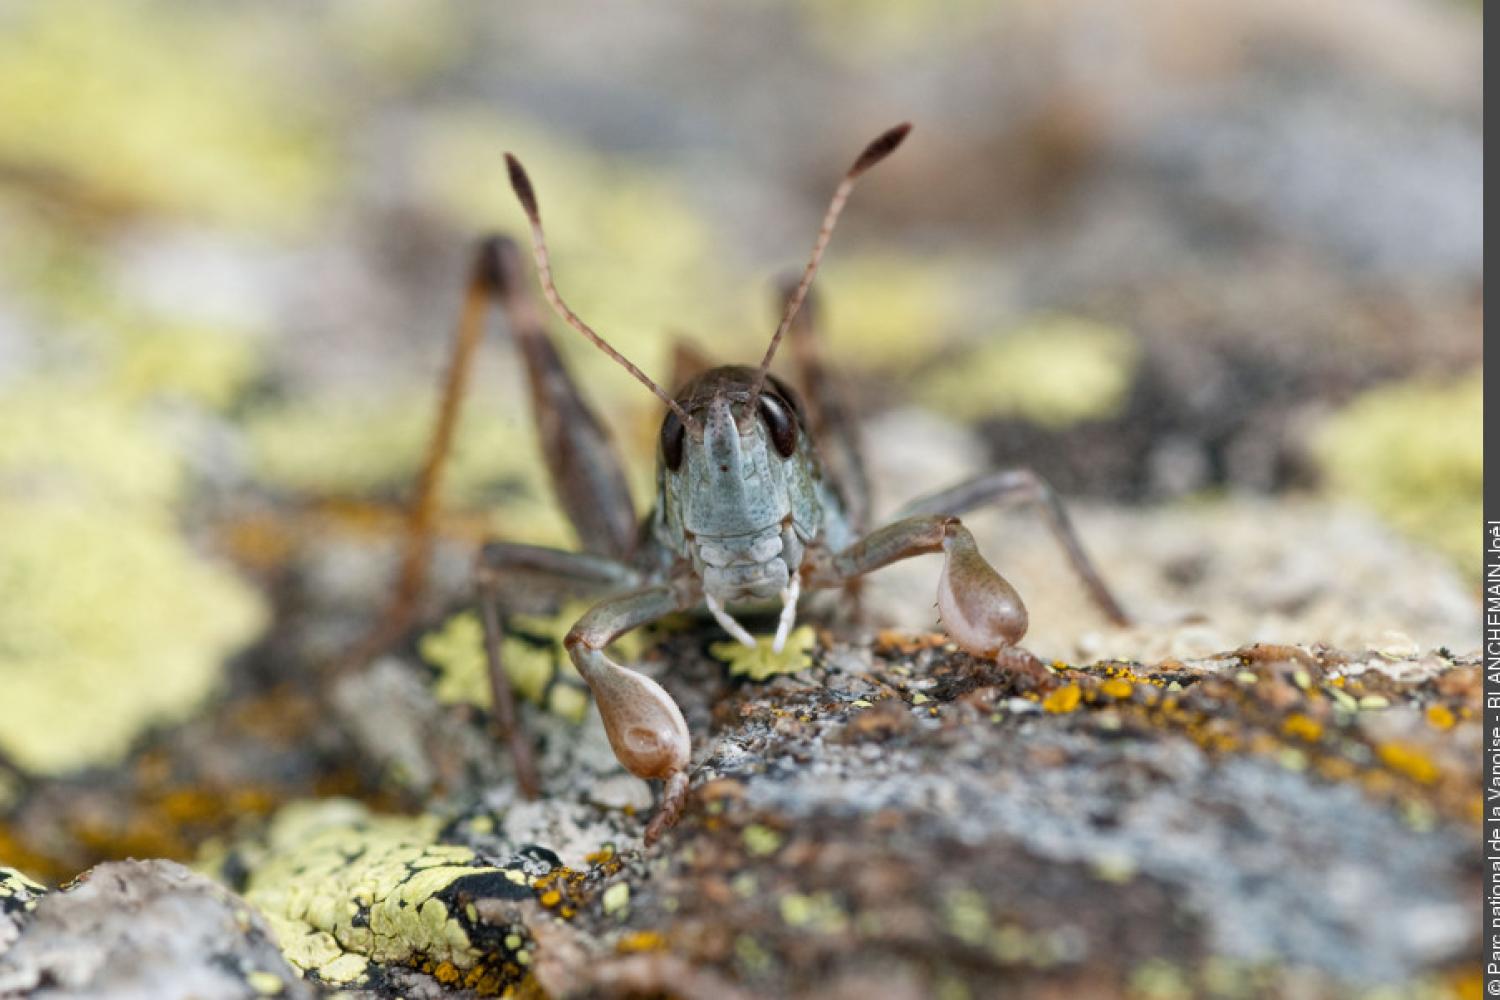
(1025,486)
(980,609)
(645,726)
(509,577)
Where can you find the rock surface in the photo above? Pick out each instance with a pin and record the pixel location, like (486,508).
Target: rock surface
(147,929)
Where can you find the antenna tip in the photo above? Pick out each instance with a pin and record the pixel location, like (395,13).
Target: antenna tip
(497,265)
(521,185)
(884,145)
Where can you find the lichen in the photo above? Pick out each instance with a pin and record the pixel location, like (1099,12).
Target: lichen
(91,591)
(817,912)
(1411,451)
(133,103)
(539,667)
(1062,700)
(1052,370)
(86,446)
(887,312)
(17,892)
(761,840)
(344,890)
(763,662)
(336,446)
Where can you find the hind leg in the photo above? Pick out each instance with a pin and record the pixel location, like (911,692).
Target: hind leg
(645,726)
(585,471)
(980,609)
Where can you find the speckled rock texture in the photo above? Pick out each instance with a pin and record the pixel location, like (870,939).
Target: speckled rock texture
(131,929)
(901,819)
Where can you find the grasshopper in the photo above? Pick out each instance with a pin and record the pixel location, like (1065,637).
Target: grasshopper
(760,497)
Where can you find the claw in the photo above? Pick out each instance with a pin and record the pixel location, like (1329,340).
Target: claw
(673,798)
(981,611)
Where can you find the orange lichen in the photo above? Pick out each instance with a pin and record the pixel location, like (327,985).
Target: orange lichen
(639,941)
(1303,728)
(1407,760)
(1440,717)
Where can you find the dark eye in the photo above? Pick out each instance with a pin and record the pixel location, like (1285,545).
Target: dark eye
(781,424)
(672,433)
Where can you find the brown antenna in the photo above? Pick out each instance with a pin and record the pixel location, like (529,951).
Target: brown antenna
(884,145)
(521,184)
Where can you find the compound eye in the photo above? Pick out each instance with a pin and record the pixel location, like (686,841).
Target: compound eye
(672,434)
(781,424)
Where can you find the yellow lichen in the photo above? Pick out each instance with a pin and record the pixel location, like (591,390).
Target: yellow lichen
(341,446)
(888,312)
(539,667)
(639,941)
(1413,452)
(967,916)
(763,662)
(1117,688)
(761,841)
(616,898)
(140,107)
(343,888)
(818,912)
(18,891)
(111,623)
(1054,370)
(267,984)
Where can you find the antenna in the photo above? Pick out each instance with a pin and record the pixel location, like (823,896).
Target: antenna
(526,194)
(884,145)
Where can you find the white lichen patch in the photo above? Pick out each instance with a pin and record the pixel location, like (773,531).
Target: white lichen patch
(763,662)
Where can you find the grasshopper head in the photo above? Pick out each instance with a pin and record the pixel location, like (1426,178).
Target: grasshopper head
(736,471)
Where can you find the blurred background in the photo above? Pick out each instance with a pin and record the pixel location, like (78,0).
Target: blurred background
(1212,268)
